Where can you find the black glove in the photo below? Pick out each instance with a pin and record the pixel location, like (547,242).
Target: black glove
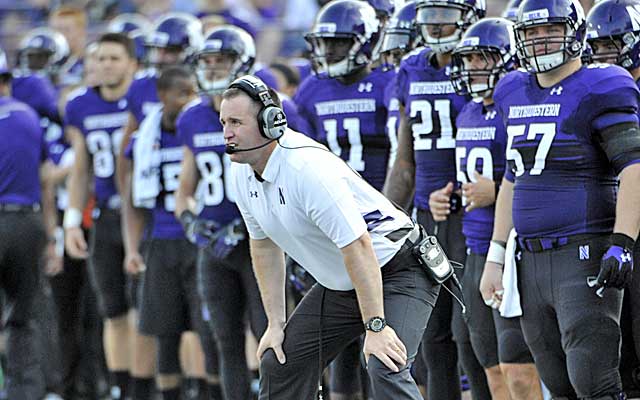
(616,266)
(195,227)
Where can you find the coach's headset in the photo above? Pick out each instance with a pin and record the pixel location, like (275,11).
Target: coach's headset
(272,121)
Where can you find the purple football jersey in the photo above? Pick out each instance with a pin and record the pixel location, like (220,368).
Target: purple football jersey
(101,122)
(164,224)
(22,151)
(393,116)
(142,96)
(431,107)
(564,184)
(351,120)
(480,146)
(199,129)
(38,92)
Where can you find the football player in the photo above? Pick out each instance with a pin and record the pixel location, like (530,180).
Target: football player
(425,163)
(572,135)
(72,23)
(484,55)
(94,119)
(209,215)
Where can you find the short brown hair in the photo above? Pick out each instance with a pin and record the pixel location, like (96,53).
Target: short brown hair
(70,11)
(121,39)
(235,92)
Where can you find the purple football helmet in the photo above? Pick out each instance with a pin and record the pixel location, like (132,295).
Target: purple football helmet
(343,37)
(227,53)
(511,10)
(177,33)
(443,22)
(613,32)
(485,54)
(400,36)
(42,49)
(555,50)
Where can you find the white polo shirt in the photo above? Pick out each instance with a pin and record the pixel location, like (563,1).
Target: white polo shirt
(311,204)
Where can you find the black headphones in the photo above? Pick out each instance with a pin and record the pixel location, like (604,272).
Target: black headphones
(271,119)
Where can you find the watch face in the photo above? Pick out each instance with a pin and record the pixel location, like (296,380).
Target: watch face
(377,324)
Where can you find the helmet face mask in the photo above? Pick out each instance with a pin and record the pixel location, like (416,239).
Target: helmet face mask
(343,38)
(173,40)
(483,56)
(226,53)
(548,38)
(43,50)
(614,34)
(399,37)
(442,23)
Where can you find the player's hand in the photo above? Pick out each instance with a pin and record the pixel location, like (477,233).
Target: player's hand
(227,238)
(616,266)
(481,193)
(75,244)
(439,203)
(195,227)
(491,288)
(386,346)
(272,339)
(134,263)
(54,263)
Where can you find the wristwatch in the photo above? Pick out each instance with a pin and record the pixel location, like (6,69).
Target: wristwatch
(375,324)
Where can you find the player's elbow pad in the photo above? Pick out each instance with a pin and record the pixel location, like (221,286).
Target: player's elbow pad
(621,144)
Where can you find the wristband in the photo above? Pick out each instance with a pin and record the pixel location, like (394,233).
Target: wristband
(622,240)
(72,218)
(496,253)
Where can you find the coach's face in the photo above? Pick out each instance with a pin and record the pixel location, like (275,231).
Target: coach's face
(238,116)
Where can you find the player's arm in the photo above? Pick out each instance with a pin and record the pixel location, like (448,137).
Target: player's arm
(621,144)
(123,164)
(400,183)
(78,187)
(491,282)
(627,205)
(132,222)
(53,262)
(188,183)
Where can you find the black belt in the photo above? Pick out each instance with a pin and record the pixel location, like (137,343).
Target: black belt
(16,208)
(537,245)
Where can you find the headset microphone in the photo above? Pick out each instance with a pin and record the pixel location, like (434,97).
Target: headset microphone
(231,148)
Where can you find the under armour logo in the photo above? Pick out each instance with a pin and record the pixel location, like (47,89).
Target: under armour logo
(253,194)
(365,87)
(625,257)
(556,90)
(490,115)
(584,252)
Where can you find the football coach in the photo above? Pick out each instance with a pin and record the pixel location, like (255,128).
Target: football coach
(295,196)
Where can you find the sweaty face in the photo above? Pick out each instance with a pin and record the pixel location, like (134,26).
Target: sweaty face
(114,64)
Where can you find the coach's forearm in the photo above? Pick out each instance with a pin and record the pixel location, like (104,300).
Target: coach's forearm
(628,203)
(268,266)
(364,271)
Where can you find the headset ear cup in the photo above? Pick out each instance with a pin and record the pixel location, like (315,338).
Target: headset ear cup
(273,122)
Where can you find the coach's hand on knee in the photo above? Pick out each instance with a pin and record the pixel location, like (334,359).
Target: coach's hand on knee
(75,244)
(387,347)
(272,339)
